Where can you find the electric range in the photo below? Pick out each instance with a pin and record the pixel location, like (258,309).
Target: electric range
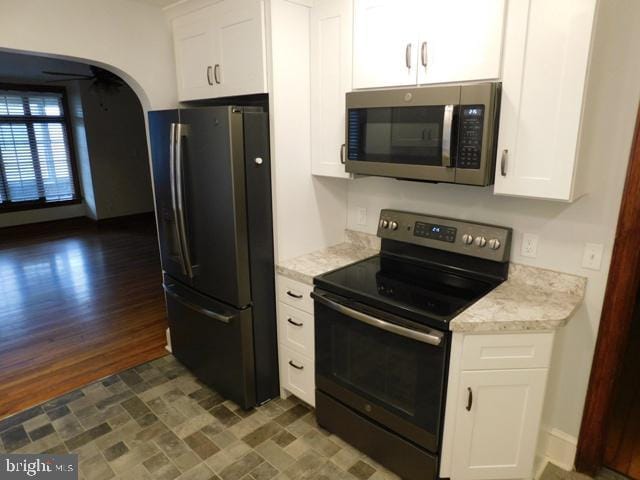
(382,334)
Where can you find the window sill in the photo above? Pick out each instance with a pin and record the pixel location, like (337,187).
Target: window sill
(21,206)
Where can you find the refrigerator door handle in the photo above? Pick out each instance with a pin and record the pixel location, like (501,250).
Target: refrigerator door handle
(172,181)
(197,308)
(182,223)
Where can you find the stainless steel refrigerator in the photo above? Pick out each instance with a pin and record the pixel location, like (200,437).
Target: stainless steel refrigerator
(211,171)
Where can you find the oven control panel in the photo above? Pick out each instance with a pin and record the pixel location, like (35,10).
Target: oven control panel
(481,240)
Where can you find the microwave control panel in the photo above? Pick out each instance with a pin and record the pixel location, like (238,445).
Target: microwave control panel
(470,139)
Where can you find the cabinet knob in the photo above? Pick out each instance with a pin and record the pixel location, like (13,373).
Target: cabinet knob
(423,55)
(407,56)
(469,399)
(503,162)
(209,72)
(216,73)
(343,149)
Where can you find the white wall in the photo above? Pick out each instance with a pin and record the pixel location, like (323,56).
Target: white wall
(131,38)
(310,212)
(117,152)
(611,107)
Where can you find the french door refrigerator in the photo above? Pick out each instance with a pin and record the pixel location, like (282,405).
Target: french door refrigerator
(212,179)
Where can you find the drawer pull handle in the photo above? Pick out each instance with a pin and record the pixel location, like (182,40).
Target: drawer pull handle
(469,399)
(294,323)
(294,295)
(297,367)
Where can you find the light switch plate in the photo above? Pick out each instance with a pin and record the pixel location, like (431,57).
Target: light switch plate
(529,245)
(362,216)
(592,258)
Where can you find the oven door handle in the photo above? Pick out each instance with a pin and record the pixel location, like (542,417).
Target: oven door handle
(432,338)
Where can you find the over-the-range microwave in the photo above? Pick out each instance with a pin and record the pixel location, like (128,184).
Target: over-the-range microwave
(434,134)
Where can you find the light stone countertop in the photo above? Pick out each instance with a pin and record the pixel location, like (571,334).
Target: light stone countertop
(531,299)
(357,247)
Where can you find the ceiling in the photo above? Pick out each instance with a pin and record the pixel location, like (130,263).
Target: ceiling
(160,3)
(15,67)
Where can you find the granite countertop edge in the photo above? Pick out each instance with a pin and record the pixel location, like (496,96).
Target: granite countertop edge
(532,299)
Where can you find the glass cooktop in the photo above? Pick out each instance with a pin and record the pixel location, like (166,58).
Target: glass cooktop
(406,288)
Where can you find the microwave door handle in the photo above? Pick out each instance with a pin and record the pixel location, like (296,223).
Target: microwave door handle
(432,338)
(447,132)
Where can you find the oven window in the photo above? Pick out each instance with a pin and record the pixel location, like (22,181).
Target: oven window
(404,376)
(402,135)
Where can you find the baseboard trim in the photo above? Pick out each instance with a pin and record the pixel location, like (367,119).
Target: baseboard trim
(558,447)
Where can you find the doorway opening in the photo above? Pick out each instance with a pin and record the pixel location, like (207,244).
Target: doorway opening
(80,290)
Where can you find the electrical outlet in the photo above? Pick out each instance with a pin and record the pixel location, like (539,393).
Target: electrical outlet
(362,216)
(529,245)
(592,258)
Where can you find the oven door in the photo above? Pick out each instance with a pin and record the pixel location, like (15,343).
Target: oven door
(409,133)
(386,368)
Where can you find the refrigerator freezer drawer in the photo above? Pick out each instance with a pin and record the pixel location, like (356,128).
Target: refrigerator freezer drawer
(214,341)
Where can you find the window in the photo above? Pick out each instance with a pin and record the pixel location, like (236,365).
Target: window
(36,167)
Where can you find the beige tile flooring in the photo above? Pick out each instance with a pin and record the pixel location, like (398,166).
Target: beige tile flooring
(156,421)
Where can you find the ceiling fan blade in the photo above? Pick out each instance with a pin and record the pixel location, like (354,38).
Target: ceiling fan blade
(65,74)
(68,80)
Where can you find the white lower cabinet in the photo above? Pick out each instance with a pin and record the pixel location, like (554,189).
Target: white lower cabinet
(297,374)
(296,340)
(493,415)
(499,411)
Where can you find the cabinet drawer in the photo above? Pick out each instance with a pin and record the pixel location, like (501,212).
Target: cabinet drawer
(297,374)
(508,351)
(295,293)
(295,329)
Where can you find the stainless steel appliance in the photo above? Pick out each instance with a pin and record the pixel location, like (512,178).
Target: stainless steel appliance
(437,134)
(382,336)
(211,170)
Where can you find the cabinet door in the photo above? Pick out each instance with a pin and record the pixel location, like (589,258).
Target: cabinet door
(385,43)
(460,40)
(195,54)
(239,35)
(331,26)
(497,423)
(544,70)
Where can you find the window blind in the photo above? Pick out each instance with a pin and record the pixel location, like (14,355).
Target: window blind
(35,163)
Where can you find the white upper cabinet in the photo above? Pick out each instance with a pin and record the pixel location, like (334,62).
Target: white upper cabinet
(546,55)
(460,40)
(384,43)
(195,55)
(240,36)
(410,42)
(220,50)
(331,41)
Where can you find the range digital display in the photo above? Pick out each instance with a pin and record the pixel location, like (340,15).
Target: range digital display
(433,231)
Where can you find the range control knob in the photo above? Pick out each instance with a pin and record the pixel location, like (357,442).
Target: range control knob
(480,241)
(467,239)
(494,244)
(393,225)
(383,223)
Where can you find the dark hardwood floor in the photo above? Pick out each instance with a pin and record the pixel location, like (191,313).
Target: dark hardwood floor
(622,452)
(78,301)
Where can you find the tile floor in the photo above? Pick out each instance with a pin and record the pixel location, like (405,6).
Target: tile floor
(156,421)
